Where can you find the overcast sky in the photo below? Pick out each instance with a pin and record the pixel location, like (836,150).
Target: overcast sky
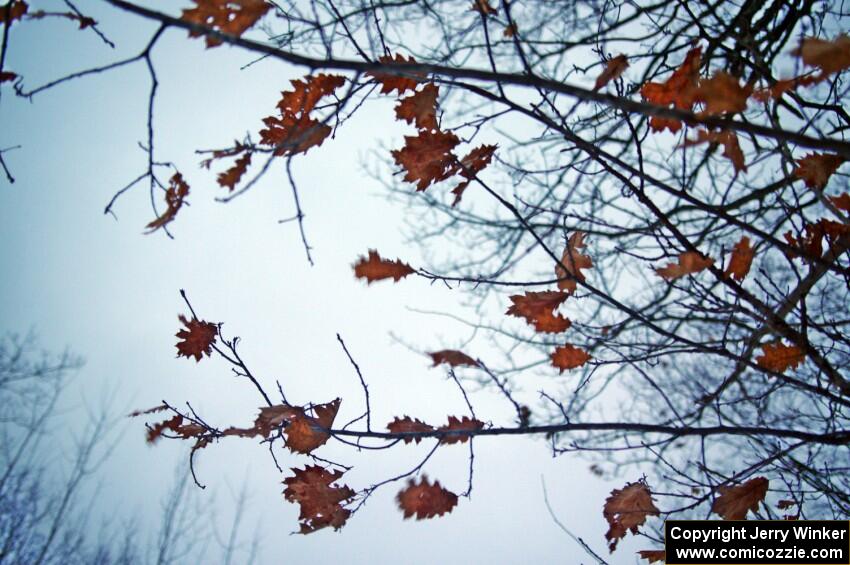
(110,293)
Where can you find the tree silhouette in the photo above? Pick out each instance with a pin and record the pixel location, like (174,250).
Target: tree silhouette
(652,191)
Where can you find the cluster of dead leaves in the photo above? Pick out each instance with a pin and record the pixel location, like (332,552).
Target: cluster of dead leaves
(291,132)
(428,157)
(456,428)
(627,509)
(723,94)
(539,308)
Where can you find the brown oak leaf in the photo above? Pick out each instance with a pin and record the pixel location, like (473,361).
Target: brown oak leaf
(829,56)
(197,339)
(408,424)
(722,94)
(689,262)
(569,357)
(816,168)
(573,261)
(734,502)
(175,196)
(425,500)
(7,76)
(306,93)
(374,268)
(679,91)
(290,135)
(729,141)
(453,358)
(400,82)
(320,500)
(741,260)
(472,164)
(302,435)
(232,17)
(778,357)
(465,424)
(427,158)
(420,108)
(294,131)
(812,241)
(538,309)
(614,68)
(231,177)
(626,509)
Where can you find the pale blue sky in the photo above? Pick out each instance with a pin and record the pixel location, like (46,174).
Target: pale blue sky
(110,293)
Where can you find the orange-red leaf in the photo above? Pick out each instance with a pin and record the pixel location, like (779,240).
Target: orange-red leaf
(829,56)
(612,71)
(816,168)
(742,259)
(453,358)
(175,195)
(465,424)
(155,431)
(320,501)
(16,11)
(653,555)
(729,141)
(425,500)
(390,82)
(197,339)
(295,131)
(420,108)
(231,177)
(472,164)
(290,135)
(569,357)
(778,357)
(734,502)
(678,90)
(232,17)
(626,509)
(573,261)
(307,92)
(538,309)
(722,94)
(375,268)
(689,262)
(302,435)
(427,158)
(785,85)
(407,425)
